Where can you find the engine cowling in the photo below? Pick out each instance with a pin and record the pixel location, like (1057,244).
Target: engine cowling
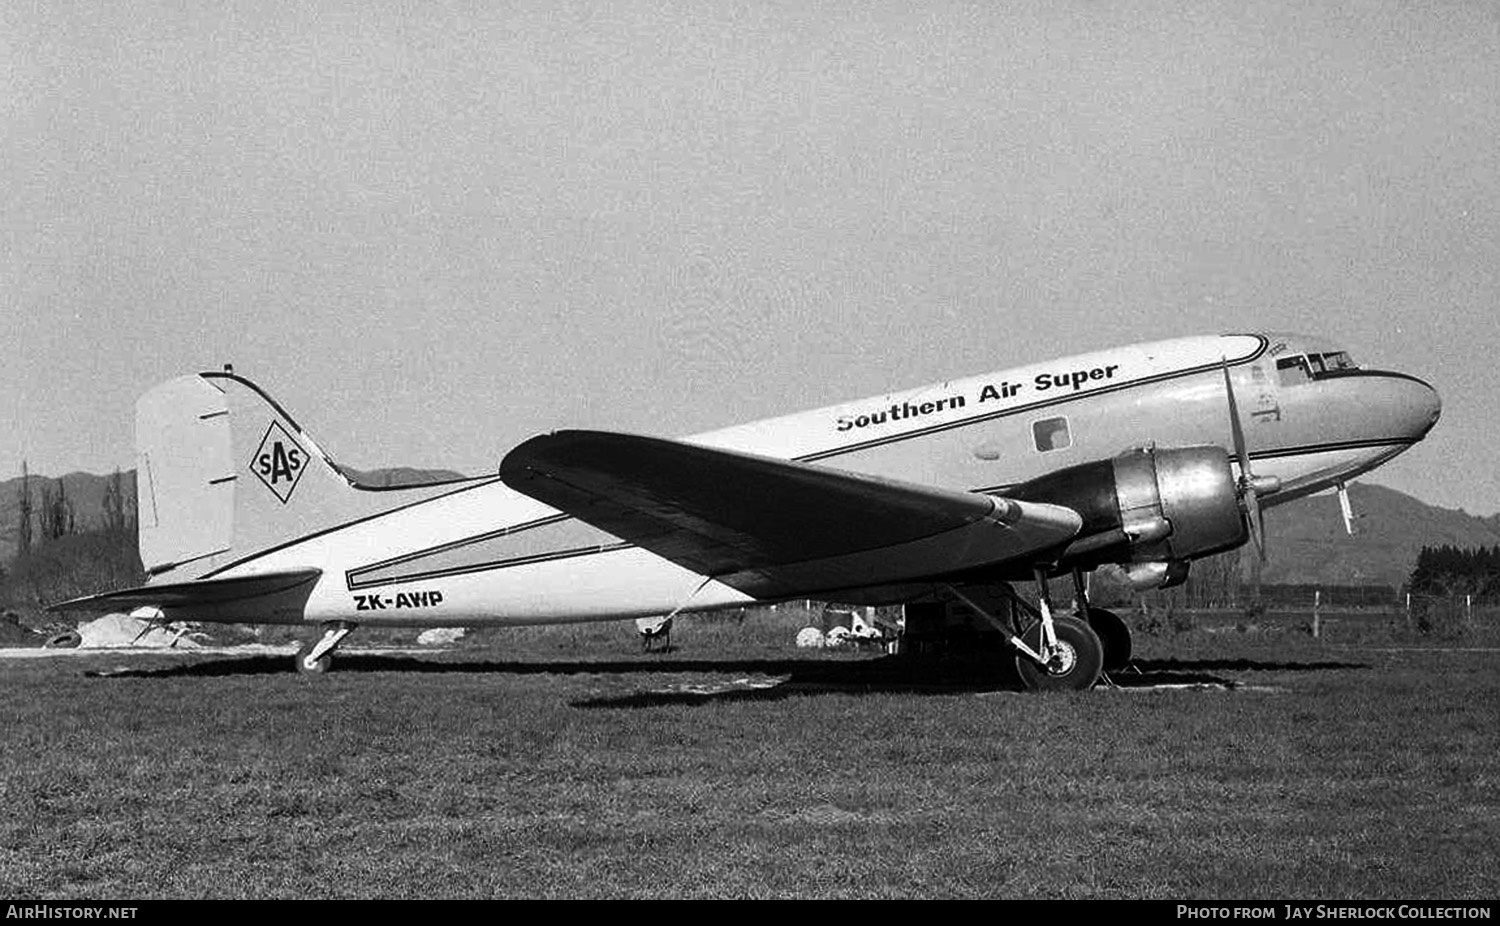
(1151,509)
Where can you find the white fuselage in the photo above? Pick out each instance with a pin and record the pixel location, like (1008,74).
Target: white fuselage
(478,552)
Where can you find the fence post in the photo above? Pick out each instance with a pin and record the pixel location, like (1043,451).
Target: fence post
(1317,605)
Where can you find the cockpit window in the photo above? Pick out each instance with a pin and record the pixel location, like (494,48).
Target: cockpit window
(1338,360)
(1293,371)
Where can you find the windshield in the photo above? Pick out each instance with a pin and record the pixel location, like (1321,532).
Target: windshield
(1304,368)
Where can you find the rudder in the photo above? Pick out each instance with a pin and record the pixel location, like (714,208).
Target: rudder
(184,476)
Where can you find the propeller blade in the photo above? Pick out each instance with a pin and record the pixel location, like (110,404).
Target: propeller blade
(1249,498)
(1257,521)
(1240,451)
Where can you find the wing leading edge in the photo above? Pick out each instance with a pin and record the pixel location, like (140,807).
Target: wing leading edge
(774,528)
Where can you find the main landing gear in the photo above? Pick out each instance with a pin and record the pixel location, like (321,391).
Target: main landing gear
(314,658)
(1071,663)
(1107,626)
(1060,653)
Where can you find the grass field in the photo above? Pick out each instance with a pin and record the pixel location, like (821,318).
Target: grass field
(565,763)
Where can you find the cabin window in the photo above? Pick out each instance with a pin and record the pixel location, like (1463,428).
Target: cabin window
(1051,434)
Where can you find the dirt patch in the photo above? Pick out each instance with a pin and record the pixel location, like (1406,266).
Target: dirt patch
(122,630)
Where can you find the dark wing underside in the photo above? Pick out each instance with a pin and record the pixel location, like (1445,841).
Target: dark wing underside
(774,528)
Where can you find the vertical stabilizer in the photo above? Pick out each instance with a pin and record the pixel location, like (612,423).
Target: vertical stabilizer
(224,473)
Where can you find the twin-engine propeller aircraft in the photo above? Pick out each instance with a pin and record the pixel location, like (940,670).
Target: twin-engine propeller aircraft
(1147,456)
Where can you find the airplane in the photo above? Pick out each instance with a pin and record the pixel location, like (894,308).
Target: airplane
(1147,457)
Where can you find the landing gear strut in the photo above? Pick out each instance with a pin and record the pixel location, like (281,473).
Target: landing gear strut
(1053,654)
(314,659)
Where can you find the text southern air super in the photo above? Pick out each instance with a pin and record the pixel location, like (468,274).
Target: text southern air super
(1065,381)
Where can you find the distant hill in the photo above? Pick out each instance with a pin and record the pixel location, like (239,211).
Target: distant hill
(1305,538)
(399,476)
(1307,543)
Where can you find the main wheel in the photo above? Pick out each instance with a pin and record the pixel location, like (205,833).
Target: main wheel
(1114,635)
(1076,660)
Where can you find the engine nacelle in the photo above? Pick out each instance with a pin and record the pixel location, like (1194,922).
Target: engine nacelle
(1192,488)
(1147,506)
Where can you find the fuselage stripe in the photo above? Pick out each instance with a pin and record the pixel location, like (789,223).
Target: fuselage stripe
(527,560)
(1031,407)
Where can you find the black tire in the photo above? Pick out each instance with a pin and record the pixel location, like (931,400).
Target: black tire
(68,639)
(1074,667)
(1114,635)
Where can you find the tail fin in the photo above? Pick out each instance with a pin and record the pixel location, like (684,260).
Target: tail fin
(224,472)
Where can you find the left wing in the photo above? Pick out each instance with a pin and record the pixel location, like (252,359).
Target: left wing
(774,528)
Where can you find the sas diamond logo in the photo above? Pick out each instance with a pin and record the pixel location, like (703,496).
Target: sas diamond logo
(279,461)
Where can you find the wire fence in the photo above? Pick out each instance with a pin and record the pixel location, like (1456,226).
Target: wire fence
(1450,614)
(1346,617)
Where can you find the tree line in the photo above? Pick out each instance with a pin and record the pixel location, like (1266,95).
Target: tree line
(1449,571)
(62,552)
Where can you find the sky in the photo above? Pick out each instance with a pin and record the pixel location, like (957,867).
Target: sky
(432,230)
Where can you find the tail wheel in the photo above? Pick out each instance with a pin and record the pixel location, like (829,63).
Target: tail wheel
(1075,662)
(1114,635)
(313,658)
(307,665)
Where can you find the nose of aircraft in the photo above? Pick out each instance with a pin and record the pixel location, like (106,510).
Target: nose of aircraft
(1374,406)
(1417,406)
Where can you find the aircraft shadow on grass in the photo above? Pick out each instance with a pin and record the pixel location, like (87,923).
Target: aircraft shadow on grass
(702,681)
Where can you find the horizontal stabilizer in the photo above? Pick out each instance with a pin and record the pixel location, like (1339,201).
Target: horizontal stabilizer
(206,592)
